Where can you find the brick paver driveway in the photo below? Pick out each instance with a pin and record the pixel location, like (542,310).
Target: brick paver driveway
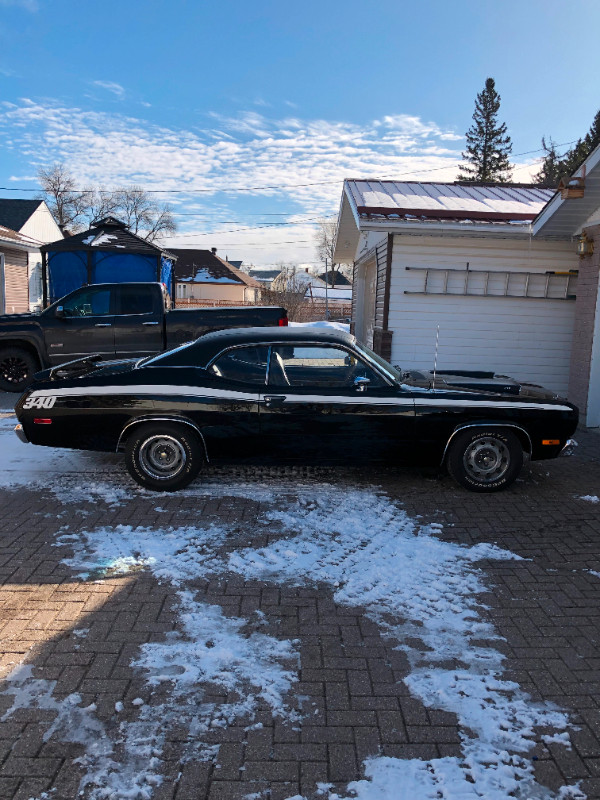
(89,710)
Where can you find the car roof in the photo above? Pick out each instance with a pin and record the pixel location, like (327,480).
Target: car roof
(211,344)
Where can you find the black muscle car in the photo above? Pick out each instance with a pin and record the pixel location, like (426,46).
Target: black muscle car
(291,394)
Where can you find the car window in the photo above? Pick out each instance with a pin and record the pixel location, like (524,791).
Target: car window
(135,300)
(311,365)
(242,364)
(93,302)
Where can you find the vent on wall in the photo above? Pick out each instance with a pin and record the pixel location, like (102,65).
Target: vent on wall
(487,283)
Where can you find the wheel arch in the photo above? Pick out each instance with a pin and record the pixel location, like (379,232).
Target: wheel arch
(518,430)
(150,418)
(23,344)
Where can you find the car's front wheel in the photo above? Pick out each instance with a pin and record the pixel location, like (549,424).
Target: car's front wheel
(163,456)
(485,460)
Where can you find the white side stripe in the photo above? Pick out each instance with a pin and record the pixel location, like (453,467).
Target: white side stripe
(226,394)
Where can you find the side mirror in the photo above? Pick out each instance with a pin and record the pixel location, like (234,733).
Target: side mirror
(361,384)
(59,312)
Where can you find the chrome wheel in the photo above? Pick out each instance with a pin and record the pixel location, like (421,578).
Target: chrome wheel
(162,457)
(486,460)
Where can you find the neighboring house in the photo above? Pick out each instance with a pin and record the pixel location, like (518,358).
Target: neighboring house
(340,281)
(16,251)
(202,275)
(264,275)
(33,220)
(294,279)
(465,258)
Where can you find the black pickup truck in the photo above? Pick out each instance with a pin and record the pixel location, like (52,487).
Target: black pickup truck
(113,320)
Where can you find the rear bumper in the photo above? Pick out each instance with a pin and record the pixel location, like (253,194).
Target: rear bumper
(21,433)
(569,448)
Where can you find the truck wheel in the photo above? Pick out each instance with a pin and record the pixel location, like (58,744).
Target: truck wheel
(17,368)
(485,460)
(163,456)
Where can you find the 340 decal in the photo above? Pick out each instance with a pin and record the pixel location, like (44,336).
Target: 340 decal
(39,402)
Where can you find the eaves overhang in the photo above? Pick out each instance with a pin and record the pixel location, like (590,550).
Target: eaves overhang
(563,218)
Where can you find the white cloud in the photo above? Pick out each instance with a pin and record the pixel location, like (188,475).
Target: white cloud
(110,86)
(289,162)
(27,5)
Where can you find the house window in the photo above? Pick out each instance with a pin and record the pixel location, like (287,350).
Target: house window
(181,290)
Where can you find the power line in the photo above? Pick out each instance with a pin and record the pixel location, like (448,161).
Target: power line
(236,189)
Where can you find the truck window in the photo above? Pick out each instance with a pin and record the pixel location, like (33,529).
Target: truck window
(92,302)
(134,300)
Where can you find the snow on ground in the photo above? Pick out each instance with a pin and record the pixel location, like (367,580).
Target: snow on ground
(591,498)
(371,553)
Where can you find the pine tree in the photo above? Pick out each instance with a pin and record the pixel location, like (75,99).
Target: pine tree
(488,144)
(555,167)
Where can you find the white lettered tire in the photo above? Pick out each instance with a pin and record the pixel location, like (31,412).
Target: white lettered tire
(163,456)
(485,459)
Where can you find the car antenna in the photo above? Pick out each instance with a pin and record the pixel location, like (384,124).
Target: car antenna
(437,341)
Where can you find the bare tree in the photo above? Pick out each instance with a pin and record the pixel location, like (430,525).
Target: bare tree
(67,204)
(325,242)
(142,214)
(74,208)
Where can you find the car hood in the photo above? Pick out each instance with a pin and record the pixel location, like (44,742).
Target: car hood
(477,382)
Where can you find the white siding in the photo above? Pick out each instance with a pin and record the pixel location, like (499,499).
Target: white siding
(529,339)
(41,226)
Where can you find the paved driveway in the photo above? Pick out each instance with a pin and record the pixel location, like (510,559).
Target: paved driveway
(278,633)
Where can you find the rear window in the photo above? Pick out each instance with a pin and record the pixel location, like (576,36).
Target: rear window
(134,300)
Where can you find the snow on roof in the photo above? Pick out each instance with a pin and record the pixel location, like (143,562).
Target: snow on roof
(333,294)
(204,266)
(497,202)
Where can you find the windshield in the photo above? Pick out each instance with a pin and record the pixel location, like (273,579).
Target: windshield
(391,372)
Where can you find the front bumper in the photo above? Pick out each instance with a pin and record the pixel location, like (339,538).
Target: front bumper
(569,448)
(21,433)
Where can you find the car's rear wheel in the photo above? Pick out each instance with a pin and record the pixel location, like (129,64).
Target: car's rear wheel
(163,456)
(17,368)
(485,460)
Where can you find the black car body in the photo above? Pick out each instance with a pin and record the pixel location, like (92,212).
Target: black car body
(115,320)
(292,394)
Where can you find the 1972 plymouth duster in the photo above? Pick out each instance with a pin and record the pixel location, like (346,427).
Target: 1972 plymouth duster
(285,394)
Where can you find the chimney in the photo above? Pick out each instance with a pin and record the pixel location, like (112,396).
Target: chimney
(213,250)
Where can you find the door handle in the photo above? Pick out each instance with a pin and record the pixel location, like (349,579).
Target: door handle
(274,399)
(103,325)
(149,323)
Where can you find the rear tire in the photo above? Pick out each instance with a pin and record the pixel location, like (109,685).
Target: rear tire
(17,368)
(485,460)
(163,456)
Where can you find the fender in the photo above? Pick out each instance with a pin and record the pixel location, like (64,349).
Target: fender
(460,428)
(29,341)
(150,418)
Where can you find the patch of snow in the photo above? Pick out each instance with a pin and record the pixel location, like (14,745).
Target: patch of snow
(591,498)
(375,556)
(558,738)
(340,326)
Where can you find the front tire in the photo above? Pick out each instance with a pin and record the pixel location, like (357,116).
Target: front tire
(485,460)
(164,456)
(17,368)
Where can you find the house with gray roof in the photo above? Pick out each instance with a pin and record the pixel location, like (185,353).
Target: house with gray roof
(203,278)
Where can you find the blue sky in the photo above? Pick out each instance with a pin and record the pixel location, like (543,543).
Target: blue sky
(192,96)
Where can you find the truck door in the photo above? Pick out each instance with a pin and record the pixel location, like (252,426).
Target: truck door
(138,320)
(84,327)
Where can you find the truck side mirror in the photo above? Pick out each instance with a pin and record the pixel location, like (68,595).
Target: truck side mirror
(59,312)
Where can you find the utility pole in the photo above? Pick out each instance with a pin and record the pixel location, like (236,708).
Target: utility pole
(326,291)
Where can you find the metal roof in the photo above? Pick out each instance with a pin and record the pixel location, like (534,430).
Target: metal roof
(451,201)
(15,213)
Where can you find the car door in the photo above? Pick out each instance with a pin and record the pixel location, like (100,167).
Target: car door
(225,406)
(324,403)
(83,327)
(138,321)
